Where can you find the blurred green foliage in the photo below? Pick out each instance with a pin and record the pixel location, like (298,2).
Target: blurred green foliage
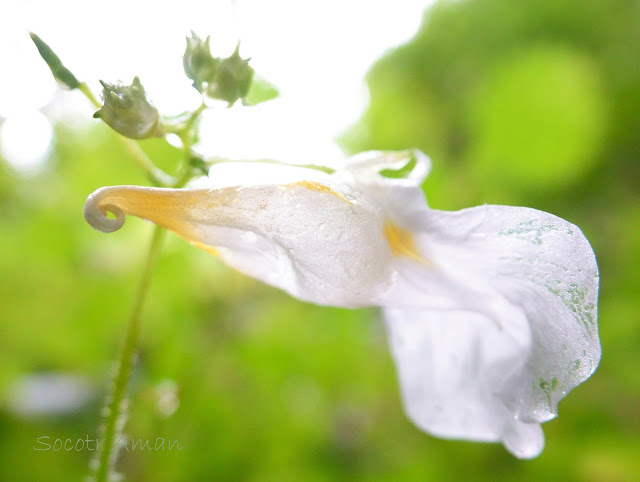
(537,103)
(531,103)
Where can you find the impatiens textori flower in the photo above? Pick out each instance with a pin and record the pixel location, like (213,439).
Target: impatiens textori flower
(491,311)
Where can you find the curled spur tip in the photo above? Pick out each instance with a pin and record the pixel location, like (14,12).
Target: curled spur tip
(95,212)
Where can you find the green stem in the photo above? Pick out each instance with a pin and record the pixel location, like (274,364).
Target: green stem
(116,408)
(84,88)
(194,115)
(182,127)
(157,176)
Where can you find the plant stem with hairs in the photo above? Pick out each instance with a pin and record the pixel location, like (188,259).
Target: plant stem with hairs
(116,408)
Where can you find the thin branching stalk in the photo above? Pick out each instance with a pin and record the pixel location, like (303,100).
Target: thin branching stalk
(156,175)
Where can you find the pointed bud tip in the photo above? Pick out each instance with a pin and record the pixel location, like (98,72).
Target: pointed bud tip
(127,110)
(199,65)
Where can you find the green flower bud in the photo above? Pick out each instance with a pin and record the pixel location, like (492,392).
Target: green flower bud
(63,76)
(232,80)
(199,65)
(127,111)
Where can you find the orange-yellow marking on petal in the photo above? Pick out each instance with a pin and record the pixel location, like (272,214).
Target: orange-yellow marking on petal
(170,209)
(402,243)
(314,186)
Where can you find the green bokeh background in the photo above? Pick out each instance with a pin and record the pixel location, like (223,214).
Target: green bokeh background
(533,103)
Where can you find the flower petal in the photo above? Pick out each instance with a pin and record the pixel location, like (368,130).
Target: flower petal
(313,240)
(248,173)
(529,280)
(449,363)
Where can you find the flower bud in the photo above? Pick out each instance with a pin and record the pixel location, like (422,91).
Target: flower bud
(232,80)
(127,111)
(63,76)
(199,65)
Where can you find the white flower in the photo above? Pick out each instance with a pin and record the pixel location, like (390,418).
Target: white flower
(491,311)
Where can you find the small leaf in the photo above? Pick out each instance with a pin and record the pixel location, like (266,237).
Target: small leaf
(63,76)
(261,90)
(199,164)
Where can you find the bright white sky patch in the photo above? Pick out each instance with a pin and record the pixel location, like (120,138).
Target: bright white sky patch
(316,53)
(25,141)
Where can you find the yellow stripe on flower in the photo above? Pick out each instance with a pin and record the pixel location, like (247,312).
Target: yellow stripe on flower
(314,186)
(402,243)
(205,247)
